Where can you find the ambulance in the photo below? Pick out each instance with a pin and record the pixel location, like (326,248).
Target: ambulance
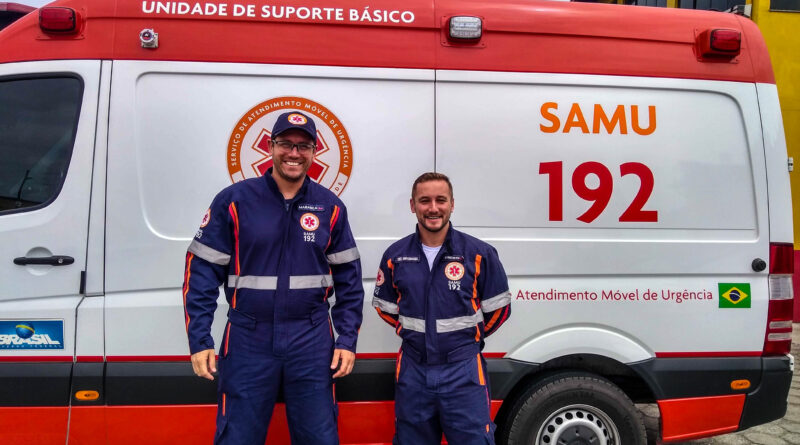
(627,163)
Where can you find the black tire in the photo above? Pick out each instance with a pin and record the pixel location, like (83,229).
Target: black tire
(574,408)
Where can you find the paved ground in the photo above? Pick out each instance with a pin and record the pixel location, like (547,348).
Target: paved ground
(779,432)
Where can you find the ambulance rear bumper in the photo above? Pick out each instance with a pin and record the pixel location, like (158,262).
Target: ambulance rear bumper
(688,389)
(769,400)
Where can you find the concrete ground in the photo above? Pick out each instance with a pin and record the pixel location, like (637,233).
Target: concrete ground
(779,432)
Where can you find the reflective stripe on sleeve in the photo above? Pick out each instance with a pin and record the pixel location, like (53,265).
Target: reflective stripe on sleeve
(209,254)
(458,323)
(252,282)
(413,324)
(385,306)
(344,256)
(310,281)
(496,302)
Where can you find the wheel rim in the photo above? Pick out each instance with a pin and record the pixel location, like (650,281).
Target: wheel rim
(578,425)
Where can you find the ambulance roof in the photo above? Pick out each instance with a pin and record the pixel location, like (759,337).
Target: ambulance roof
(518,35)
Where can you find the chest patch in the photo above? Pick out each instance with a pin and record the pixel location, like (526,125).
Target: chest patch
(454,271)
(311,207)
(309,222)
(407,259)
(458,258)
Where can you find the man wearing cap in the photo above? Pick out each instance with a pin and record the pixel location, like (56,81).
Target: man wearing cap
(280,244)
(443,291)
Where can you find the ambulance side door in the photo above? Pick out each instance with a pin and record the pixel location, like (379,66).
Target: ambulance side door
(47,122)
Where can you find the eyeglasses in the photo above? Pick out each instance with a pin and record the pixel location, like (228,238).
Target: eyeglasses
(288,146)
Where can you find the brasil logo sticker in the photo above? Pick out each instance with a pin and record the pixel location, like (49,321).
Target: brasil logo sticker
(734,295)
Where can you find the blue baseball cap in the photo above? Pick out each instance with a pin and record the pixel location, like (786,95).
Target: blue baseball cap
(295,120)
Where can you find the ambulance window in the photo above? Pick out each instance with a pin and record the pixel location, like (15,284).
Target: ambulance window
(38,118)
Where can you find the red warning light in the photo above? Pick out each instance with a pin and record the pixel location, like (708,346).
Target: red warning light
(727,40)
(58,19)
(719,43)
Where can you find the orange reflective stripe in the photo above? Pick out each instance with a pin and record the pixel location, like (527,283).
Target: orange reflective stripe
(327,290)
(494,318)
(235,216)
(480,372)
(397,367)
(334,217)
(227,337)
(187,276)
(387,318)
(475,283)
(223,403)
(391,267)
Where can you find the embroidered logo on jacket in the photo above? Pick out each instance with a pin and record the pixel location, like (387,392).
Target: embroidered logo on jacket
(379,281)
(454,271)
(206,219)
(309,222)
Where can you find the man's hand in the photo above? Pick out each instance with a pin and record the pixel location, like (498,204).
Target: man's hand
(343,359)
(203,361)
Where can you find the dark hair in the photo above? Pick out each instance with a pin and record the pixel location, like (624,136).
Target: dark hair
(431,176)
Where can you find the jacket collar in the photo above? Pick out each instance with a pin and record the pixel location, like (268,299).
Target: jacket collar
(273,186)
(448,239)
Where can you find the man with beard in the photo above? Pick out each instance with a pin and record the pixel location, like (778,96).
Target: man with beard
(280,243)
(443,291)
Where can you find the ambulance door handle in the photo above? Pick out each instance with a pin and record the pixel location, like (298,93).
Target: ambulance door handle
(55,260)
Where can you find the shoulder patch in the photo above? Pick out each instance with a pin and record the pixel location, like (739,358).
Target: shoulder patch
(380,280)
(206,218)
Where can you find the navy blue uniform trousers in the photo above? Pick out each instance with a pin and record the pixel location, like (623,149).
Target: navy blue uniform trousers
(452,398)
(254,366)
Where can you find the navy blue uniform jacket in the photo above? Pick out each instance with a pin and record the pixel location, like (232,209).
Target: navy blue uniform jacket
(276,263)
(442,314)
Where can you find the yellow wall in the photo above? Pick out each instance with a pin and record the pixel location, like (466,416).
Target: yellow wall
(780,30)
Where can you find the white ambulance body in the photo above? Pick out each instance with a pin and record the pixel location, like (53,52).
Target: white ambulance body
(628,164)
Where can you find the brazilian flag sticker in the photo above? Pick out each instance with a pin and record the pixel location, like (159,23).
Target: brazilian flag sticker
(734,295)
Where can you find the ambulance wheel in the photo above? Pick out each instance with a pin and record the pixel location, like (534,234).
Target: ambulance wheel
(577,409)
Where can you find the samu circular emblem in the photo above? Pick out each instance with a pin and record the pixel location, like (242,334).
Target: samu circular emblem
(379,280)
(454,271)
(248,154)
(309,222)
(297,119)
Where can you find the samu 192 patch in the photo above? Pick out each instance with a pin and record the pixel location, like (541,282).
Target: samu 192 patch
(734,295)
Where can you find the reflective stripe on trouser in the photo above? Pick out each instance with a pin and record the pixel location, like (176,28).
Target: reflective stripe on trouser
(449,398)
(251,376)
